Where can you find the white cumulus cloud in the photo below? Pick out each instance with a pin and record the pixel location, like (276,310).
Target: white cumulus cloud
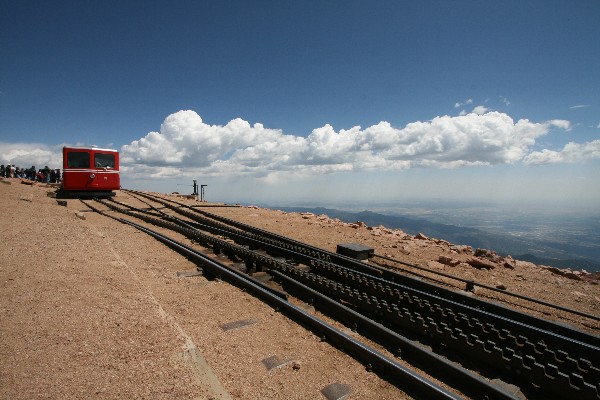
(571,153)
(31,154)
(560,123)
(460,104)
(480,110)
(185,144)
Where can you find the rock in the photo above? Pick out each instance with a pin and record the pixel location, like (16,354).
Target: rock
(501,286)
(484,253)
(567,272)
(296,365)
(508,262)
(405,250)
(481,263)
(524,264)
(80,215)
(489,254)
(593,278)
(572,275)
(420,236)
(462,249)
(385,230)
(452,262)
(521,277)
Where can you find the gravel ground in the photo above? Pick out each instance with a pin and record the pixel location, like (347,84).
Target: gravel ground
(90,307)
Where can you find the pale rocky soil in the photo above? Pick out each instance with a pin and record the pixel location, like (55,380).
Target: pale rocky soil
(92,308)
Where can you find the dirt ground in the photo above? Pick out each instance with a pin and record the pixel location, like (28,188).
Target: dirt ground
(90,307)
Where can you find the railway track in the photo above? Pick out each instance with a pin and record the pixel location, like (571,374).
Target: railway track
(440,331)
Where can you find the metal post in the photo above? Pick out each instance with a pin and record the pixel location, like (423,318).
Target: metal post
(202,192)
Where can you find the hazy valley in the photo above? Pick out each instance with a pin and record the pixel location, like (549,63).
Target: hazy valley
(562,239)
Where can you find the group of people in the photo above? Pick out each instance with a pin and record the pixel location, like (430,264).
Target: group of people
(46,174)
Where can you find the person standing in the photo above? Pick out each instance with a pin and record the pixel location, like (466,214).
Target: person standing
(47,174)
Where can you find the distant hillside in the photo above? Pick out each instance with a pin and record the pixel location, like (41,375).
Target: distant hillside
(560,255)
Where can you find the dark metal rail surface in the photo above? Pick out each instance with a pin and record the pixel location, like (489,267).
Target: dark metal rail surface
(284,242)
(472,283)
(287,243)
(513,349)
(438,367)
(406,379)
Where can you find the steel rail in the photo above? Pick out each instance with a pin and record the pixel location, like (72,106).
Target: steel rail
(539,366)
(445,370)
(442,366)
(417,292)
(552,383)
(157,222)
(473,283)
(395,278)
(406,379)
(517,358)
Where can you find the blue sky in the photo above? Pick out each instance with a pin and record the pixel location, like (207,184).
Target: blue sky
(286,101)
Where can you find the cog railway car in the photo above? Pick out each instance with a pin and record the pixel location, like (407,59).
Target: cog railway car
(89,172)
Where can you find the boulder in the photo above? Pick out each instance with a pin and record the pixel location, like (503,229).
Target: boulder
(452,262)
(489,254)
(524,264)
(508,262)
(462,249)
(481,263)
(405,250)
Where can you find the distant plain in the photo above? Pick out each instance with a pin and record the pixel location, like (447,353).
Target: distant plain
(558,237)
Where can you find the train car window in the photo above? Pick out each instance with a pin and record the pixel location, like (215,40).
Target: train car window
(104,160)
(78,159)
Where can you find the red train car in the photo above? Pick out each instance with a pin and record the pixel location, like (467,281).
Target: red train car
(90,172)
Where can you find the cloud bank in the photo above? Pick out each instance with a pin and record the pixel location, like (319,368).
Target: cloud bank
(186,144)
(571,153)
(31,154)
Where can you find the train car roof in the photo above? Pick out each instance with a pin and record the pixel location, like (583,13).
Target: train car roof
(88,148)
